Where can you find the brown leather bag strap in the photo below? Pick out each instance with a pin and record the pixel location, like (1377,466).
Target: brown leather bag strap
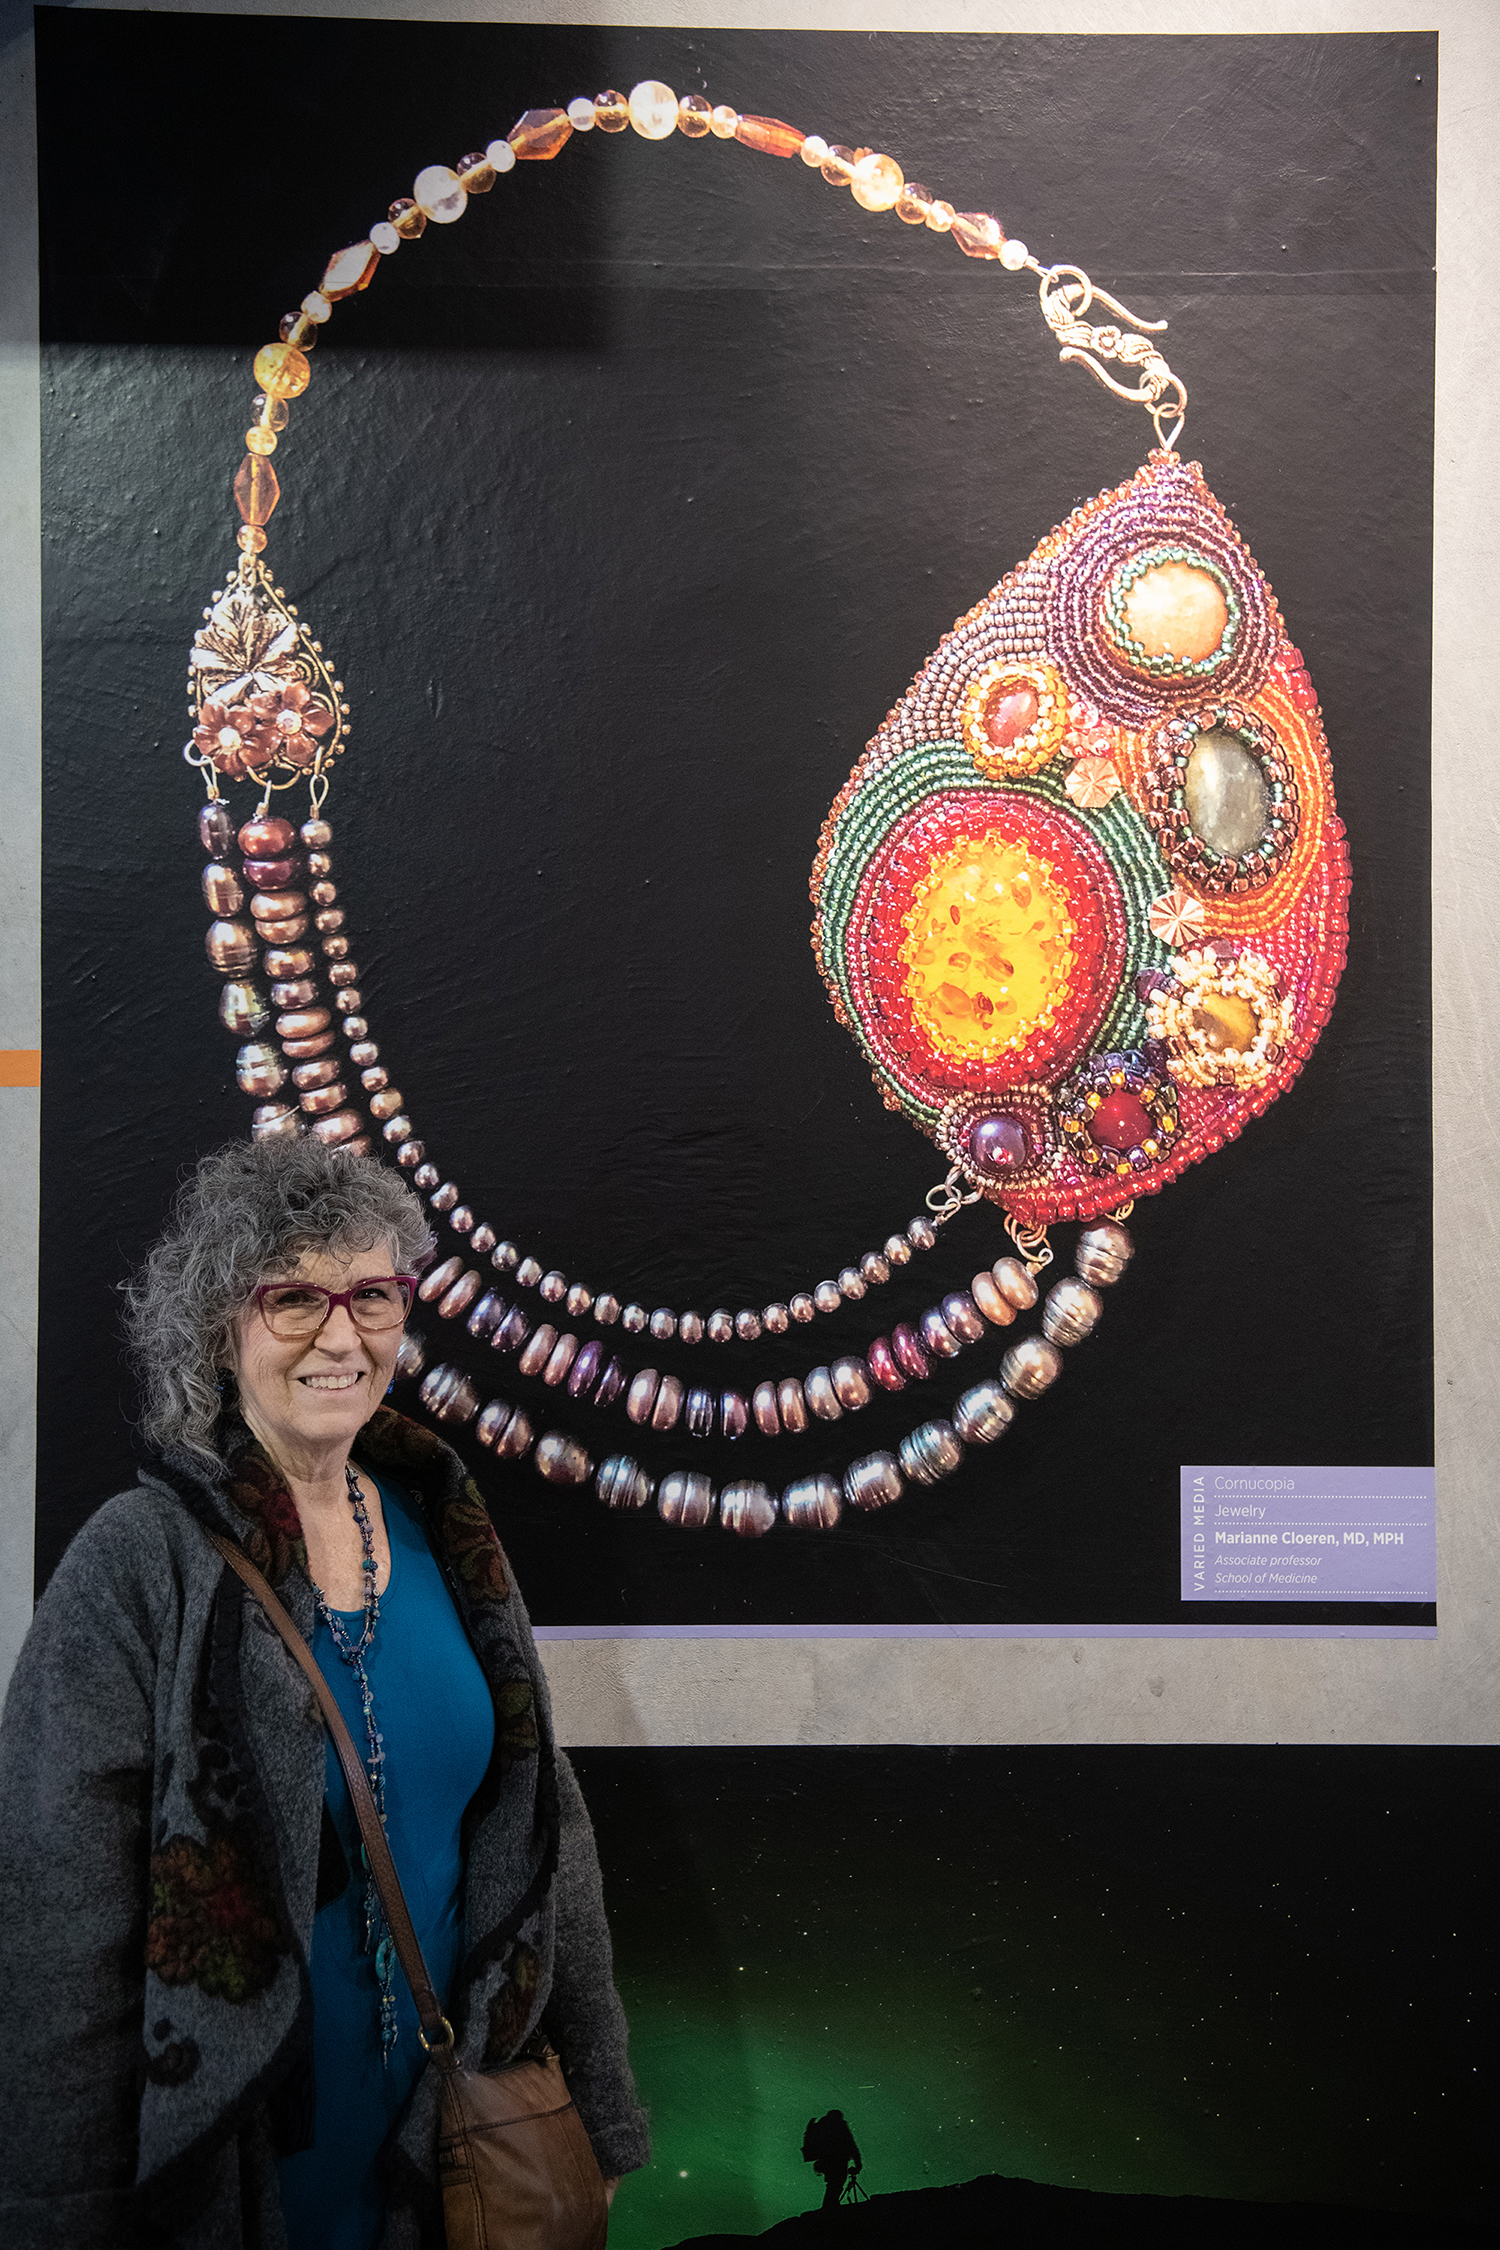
(437,2032)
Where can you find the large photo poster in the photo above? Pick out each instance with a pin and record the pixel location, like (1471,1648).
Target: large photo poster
(615,521)
(682,684)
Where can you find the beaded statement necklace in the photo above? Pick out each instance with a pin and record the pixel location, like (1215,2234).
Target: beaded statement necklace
(1081,903)
(377,1938)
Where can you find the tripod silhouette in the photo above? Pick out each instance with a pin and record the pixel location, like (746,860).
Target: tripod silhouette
(833,2152)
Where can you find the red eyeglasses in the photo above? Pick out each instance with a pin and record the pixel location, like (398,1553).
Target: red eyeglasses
(293,1310)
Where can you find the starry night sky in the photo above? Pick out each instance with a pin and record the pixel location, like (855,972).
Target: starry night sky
(1254,1973)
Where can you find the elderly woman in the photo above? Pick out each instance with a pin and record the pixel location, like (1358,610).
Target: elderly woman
(209,2041)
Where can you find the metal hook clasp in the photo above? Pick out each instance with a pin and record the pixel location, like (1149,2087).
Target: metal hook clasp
(1066,294)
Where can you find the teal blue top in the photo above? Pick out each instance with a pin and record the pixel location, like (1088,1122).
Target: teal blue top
(433,1707)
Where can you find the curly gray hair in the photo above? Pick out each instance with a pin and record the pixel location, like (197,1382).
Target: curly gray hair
(248,1210)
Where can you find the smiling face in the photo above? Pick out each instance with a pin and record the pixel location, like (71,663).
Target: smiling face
(306,1401)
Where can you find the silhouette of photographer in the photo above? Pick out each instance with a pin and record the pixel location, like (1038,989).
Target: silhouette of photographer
(832,2151)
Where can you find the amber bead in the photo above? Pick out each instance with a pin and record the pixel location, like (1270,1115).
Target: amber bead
(722,122)
(693,113)
(611,111)
(256,489)
(271,413)
(250,539)
(838,166)
(296,328)
(282,371)
(581,116)
(438,191)
(913,204)
(941,216)
(258,440)
(977,234)
(407,220)
(221,893)
(540,133)
(230,946)
(476,173)
(317,307)
(877,183)
(348,270)
(769,135)
(653,110)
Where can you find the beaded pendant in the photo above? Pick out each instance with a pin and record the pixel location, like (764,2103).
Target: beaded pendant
(1082,902)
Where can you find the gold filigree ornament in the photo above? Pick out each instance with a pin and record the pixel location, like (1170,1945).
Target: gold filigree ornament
(1224,1019)
(263,700)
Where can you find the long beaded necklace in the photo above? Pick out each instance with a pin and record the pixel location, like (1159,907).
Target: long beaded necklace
(377,1938)
(1081,904)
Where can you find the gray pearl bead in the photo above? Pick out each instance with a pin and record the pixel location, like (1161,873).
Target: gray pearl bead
(822,1398)
(1028,1367)
(873,1482)
(963,1316)
(641,1396)
(623,1483)
(411,1355)
(1071,1310)
(921,1234)
(852,1284)
(1104,1251)
(448,1394)
(537,1350)
(700,1413)
(720,1326)
(931,1451)
(632,1319)
(748,1508)
(812,1504)
(578,1300)
(983,1414)
(897,1250)
(686,1498)
(826,1297)
(663,1324)
(875,1269)
(606,1308)
(515,1439)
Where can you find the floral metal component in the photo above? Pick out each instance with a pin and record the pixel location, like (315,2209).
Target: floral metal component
(263,698)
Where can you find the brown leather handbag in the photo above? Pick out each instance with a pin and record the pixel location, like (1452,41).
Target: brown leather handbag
(516,2166)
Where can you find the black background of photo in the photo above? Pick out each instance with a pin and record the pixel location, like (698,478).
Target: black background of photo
(627,507)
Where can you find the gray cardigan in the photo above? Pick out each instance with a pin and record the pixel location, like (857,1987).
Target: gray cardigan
(164,1847)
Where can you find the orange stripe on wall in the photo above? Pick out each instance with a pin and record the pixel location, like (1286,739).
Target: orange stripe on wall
(20,1066)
